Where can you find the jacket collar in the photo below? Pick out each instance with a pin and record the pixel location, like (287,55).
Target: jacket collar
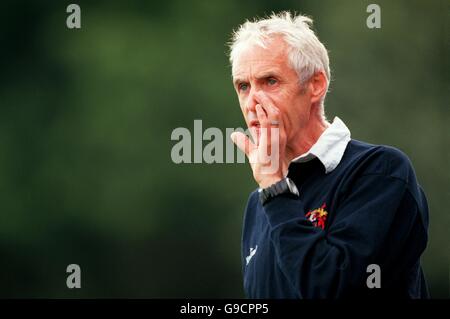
(330,146)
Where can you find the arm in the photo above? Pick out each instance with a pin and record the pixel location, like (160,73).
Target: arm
(327,263)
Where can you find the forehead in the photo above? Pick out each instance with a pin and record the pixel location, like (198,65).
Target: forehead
(255,58)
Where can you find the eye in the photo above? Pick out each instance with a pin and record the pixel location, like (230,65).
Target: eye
(271,81)
(243,86)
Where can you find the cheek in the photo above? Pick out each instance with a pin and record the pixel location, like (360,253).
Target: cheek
(287,105)
(294,113)
(242,105)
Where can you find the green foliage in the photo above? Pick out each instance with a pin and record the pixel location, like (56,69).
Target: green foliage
(86,117)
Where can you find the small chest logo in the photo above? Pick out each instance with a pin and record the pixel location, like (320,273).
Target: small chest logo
(318,216)
(252,253)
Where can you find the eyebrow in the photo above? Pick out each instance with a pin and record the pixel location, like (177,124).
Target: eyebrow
(262,75)
(238,81)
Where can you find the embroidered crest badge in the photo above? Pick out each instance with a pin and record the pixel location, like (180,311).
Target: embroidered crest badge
(318,216)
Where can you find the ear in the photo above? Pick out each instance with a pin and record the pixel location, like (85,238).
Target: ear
(318,86)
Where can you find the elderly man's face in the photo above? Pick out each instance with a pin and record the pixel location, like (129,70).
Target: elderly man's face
(258,72)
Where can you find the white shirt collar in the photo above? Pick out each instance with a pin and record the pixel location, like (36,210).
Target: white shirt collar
(330,146)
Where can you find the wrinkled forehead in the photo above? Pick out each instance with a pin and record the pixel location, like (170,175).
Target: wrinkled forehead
(273,53)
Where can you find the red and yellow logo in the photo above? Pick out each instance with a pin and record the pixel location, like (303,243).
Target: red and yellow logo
(318,216)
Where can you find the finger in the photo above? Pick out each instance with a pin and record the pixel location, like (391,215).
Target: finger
(271,135)
(242,142)
(270,108)
(261,115)
(264,135)
(253,134)
(275,121)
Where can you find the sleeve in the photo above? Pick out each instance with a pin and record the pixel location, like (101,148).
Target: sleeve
(327,263)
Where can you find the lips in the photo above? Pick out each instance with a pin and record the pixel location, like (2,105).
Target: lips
(255,128)
(254,123)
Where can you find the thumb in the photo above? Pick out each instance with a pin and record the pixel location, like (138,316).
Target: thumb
(242,142)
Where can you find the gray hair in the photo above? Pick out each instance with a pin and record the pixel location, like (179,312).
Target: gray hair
(307,55)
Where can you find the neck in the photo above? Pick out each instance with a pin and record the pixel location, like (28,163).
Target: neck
(305,139)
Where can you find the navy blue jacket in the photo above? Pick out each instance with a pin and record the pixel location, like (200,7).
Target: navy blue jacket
(369,210)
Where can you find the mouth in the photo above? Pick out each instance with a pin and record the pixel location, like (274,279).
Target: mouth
(254,124)
(255,128)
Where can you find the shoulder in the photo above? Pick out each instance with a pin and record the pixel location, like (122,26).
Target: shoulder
(386,167)
(253,199)
(388,161)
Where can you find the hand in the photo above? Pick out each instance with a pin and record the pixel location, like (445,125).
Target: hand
(267,156)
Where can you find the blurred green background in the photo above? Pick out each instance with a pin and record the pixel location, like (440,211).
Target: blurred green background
(86,117)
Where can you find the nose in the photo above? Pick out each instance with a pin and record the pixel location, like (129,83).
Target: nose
(253,99)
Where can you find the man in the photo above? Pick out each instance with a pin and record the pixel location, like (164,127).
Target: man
(336,217)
